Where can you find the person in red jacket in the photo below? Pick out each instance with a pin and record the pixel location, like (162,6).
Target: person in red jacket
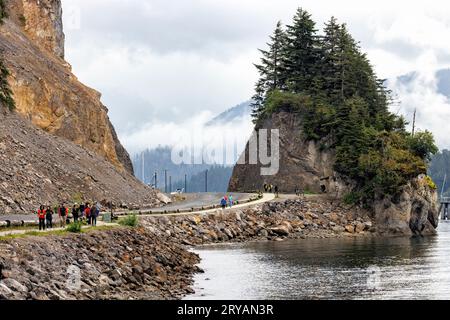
(63,212)
(41,215)
(87,213)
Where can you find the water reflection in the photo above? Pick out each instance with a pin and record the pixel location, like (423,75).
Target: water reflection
(389,268)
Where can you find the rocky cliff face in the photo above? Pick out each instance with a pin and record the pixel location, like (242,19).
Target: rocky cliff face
(304,164)
(42,22)
(45,90)
(414,211)
(39,168)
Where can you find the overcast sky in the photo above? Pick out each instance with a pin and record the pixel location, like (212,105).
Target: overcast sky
(165,64)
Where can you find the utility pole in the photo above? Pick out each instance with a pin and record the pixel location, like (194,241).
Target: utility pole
(185,183)
(414,123)
(170,184)
(165,180)
(156,180)
(206,180)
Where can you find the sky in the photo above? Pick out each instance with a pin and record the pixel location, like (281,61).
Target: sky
(165,67)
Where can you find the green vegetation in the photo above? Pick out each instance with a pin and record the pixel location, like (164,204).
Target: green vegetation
(330,83)
(6,98)
(129,221)
(3,13)
(74,227)
(64,232)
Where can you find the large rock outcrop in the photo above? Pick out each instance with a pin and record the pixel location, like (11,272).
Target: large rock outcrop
(45,90)
(305,165)
(302,163)
(413,211)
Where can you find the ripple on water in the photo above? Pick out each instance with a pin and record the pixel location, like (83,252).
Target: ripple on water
(388,268)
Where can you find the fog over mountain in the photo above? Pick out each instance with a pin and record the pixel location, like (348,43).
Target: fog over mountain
(178,64)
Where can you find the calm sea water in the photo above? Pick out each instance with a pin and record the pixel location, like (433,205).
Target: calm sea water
(389,268)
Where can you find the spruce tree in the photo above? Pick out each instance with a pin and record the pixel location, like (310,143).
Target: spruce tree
(330,71)
(302,52)
(271,69)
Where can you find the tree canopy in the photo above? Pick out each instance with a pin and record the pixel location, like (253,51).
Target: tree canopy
(330,82)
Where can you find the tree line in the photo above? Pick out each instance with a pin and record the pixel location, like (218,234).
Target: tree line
(329,81)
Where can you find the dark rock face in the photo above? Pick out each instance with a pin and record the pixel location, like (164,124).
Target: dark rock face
(302,164)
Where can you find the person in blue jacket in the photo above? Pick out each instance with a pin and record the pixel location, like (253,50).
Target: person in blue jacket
(223,203)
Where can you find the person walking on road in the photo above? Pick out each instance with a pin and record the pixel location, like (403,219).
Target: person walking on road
(63,213)
(230,201)
(87,213)
(82,207)
(75,212)
(276,191)
(41,216)
(94,215)
(223,203)
(49,217)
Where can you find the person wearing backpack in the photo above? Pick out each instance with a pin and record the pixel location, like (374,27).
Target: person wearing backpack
(63,213)
(49,217)
(75,212)
(41,216)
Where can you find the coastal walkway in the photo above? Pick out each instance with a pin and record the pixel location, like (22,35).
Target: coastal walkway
(267,197)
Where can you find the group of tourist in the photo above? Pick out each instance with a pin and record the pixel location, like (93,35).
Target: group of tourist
(227,201)
(269,188)
(82,212)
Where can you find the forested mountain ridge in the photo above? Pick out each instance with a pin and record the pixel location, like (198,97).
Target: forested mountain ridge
(336,131)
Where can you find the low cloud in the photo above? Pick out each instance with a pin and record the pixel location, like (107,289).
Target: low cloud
(221,142)
(161,64)
(420,92)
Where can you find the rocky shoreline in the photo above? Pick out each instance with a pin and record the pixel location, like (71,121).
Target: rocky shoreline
(153,261)
(122,264)
(289,219)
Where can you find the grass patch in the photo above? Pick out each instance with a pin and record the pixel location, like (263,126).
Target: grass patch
(308,192)
(56,232)
(33,234)
(129,221)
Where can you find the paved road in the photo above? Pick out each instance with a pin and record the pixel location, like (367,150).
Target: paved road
(266,198)
(193,200)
